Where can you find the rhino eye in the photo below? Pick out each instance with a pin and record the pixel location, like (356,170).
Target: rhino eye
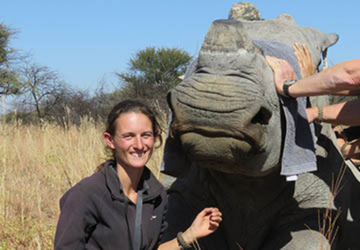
(202,70)
(234,75)
(262,117)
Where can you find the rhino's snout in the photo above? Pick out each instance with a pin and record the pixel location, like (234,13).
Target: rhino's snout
(223,118)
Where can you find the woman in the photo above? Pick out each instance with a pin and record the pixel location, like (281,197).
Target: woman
(123,206)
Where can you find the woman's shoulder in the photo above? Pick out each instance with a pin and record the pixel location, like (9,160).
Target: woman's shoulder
(96,181)
(88,187)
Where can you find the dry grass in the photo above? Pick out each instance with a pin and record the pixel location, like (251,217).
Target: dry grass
(328,226)
(36,168)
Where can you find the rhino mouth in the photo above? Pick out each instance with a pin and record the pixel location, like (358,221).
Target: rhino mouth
(228,150)
(221,151)
(214,120)
(251,146)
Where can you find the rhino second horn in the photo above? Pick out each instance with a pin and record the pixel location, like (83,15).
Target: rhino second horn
(244,11)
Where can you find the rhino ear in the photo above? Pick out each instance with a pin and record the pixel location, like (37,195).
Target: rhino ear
(318,42)
(330,41)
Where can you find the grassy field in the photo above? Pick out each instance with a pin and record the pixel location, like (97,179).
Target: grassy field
(37,166)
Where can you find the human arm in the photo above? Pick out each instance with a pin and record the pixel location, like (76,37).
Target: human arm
(345,113)
(341,79)
(205,223)
(350,149)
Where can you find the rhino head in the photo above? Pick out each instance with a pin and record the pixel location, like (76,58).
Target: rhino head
(227,114)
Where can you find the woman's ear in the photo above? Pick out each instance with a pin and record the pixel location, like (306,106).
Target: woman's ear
(157,138)
(109,140)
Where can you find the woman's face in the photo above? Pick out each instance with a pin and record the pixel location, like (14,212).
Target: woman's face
(133,141)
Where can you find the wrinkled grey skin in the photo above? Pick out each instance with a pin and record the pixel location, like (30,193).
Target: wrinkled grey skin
(228,123)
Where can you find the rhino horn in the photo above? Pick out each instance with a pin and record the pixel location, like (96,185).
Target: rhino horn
(227,36)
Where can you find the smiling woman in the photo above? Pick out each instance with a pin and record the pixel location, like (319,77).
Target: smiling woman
(133,141)
(123,206)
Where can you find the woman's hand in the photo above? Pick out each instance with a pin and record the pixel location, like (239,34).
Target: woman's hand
(205,223)
(305,61)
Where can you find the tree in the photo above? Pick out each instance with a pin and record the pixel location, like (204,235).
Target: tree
(9,83)
(42,89)
(153,72)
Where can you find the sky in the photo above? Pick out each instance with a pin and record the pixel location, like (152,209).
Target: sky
(87,41)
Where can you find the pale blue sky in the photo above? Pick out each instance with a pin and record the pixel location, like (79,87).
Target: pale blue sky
(87,40)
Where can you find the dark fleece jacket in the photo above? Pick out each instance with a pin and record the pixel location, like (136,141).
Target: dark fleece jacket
(95,214)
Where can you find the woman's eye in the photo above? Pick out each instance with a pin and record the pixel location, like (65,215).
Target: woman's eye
(127,137)
(147,135)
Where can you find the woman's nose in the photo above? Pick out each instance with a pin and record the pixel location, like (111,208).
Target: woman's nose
(138,143)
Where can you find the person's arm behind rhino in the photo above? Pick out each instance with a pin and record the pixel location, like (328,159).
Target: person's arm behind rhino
(340,79)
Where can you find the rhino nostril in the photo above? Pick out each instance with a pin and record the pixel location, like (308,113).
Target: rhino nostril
(262,117)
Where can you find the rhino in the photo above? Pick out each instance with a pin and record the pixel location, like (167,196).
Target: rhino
(226,140)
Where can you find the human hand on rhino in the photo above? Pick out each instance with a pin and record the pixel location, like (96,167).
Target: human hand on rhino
(305,61)
(344,76)
(205,223)
(284,72)
(340,79)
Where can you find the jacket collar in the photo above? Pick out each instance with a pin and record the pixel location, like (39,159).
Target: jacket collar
(150,185)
